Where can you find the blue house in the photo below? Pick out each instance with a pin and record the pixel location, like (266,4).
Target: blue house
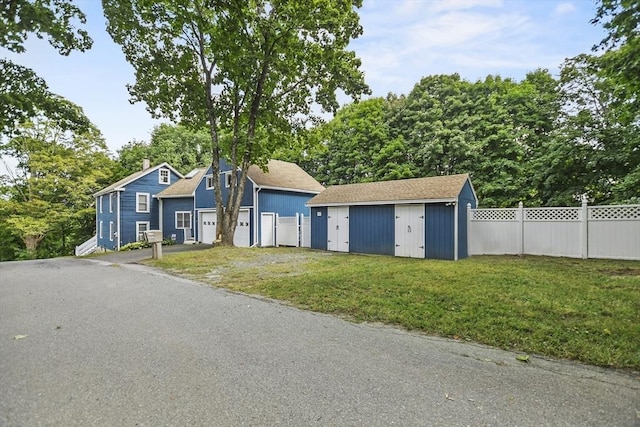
(188,212)
(419,218)
(129,207)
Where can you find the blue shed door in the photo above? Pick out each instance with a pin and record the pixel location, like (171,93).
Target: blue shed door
(410,231)
(338,229)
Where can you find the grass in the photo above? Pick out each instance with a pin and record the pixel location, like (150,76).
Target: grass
(583,310)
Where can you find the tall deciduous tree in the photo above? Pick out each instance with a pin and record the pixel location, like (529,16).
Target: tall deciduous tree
(50,189)
(22,93)
(249,70)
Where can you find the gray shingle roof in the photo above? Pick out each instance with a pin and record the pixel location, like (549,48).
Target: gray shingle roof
(446,187)
(284,175)
(184,187)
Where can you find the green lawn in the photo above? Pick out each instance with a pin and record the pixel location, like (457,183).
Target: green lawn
(585,310)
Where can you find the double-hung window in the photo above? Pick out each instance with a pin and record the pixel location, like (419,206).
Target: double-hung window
(183,220)
(164,177)
(141,227)
(143,202)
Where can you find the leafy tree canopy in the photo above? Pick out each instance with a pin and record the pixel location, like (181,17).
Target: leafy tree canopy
(22,93)
(247,70)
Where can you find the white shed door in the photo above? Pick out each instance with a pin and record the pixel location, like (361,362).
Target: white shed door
(267,229)
(208,228)
(410,231)
(338,229)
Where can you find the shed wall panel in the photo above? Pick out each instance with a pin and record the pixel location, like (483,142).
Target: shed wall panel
(466,196)
(371,229)
(319,228)
(439,231)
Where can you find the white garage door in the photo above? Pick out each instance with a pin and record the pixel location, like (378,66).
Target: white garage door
(208,228)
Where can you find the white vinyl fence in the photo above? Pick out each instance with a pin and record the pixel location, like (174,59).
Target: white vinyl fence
(580,232)
(293,231)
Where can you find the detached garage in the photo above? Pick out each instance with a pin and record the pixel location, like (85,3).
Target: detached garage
(418,218)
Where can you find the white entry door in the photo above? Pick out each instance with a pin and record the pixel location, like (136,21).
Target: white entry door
(409,231)
(267,229)
(338,229)
(241,236)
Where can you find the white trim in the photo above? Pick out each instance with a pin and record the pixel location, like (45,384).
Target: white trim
(455,231)
(138,210)
(131,178)
(100,206)
(138,224)
(111,202)
(160,180)
(382,202)
(206,182)
(118,224)
(293,190)
(111,232)
(100,229)
(176,220)
(227,181)
(160,214)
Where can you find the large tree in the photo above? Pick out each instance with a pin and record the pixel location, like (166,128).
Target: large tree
(182,148)
(248,70)
(22,93)
(49,189)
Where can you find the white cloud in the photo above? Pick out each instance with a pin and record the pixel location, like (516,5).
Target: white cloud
(564,9)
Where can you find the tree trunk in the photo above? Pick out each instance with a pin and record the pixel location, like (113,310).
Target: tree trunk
(31,243)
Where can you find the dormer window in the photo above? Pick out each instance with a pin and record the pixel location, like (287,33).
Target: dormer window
(164,176)
(210,182)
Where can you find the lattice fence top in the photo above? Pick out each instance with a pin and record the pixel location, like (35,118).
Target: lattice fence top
(552,214)
(493,214)
(614,212)
(287,220)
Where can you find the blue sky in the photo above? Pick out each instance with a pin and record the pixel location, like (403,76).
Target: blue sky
(403,41)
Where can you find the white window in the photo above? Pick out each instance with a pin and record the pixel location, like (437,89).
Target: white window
(227,179)
(112,231)
(183,220)
(210,182)
(100,202)
(111,197)
(143,203)
(100,229)
(141,227)
(163,176)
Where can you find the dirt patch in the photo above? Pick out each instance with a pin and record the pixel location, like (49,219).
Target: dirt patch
(627,271)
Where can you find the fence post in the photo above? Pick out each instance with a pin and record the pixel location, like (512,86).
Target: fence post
(469,229)
(584,228)
(520,228)
(298,229)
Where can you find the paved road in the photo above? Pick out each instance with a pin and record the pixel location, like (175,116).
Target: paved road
(124,345)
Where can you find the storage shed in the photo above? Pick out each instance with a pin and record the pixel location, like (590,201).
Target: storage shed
(418,218)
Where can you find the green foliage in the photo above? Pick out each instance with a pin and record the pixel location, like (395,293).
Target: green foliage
(621,60)
(250,89)
(23,94)
(47,196)
(584,310)
(179,146)
(142,244)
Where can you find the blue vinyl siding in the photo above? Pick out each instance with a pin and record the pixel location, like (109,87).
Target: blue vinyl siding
(372,229)
(106,217)
(319,228)
(439,231)
(466,196)
(205,199)
(169,208)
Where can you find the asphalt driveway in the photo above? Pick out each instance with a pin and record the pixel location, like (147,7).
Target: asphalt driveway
(93,342)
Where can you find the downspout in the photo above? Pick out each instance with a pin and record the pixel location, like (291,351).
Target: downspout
(118,222)
(455,231)
(256,205)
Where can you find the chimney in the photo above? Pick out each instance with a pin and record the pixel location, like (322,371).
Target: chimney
(146,164)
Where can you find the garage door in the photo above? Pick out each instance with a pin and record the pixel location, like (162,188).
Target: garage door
(208,228)
(410,231)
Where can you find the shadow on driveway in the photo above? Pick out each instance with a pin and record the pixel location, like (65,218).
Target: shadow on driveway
(132,257)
